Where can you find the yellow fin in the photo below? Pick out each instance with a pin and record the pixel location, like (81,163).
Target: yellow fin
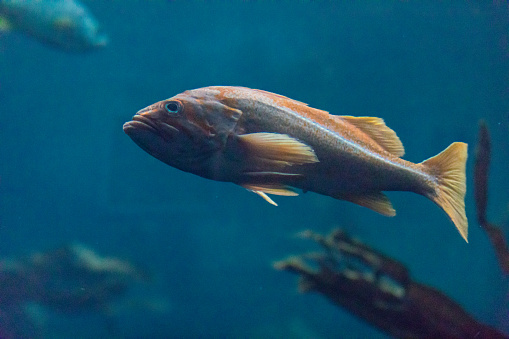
(278,147)
(449,169)
(264,189)
(376,201)
(275,189)
(265,197)
(376,129)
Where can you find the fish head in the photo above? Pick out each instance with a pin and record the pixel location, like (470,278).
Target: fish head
(91,34)
(75,29)
(186,131)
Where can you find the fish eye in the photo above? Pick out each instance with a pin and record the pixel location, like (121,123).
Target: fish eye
(173,107)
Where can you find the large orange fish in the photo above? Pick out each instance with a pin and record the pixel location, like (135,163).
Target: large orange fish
(271,144)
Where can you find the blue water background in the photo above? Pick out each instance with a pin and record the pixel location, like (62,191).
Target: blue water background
(68,173)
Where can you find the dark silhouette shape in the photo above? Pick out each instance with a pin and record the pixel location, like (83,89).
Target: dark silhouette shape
(379,290)
(481,169)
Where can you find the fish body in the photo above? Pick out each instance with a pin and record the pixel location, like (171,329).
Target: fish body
(65,24)
(271,144)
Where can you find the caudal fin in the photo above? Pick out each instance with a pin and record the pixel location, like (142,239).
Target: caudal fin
(449,169)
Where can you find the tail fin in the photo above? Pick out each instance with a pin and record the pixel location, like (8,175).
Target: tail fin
(449,169)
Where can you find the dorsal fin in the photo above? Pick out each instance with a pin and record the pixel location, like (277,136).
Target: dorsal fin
(376,129)
(372,127)
(279,96)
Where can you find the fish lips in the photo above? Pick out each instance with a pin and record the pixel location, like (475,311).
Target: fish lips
(142,123)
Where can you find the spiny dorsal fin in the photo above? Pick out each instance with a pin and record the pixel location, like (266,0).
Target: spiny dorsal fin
(278,147)
(376,201)
(376,129)
(264,189)
(274,95)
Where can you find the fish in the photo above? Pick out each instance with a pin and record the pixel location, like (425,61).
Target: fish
(273,145)
(65,24)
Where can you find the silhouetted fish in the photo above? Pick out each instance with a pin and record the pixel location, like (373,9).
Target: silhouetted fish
(66,24)
(271,144)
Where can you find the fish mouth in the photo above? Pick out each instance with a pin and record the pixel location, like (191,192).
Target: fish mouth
(101,41)
(141,121)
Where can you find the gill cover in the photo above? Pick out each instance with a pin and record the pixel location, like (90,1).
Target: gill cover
(214,118)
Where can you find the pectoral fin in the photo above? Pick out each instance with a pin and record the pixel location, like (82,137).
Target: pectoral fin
(265,197)
(376,201)
(264,189)
(278,148)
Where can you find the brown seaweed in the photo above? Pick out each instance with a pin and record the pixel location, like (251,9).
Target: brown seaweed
(379,290)
(481,169)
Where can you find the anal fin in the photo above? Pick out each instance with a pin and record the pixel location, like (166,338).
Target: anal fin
(376,201)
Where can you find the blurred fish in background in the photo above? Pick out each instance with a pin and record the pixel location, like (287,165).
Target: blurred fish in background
(72,279)
(65,24)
